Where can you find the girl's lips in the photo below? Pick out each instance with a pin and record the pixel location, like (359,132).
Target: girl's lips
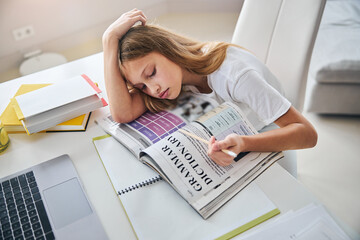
(164,94)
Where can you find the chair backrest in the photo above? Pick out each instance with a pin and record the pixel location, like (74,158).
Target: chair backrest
(281,33)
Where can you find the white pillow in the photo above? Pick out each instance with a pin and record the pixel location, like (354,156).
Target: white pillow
(336,55)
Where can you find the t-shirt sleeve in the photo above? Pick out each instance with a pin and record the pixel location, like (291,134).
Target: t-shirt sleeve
(252,89)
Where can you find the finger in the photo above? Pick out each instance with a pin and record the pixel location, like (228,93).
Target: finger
(221,158)
(223,144)
(226,162)
(138,18)
(216,146)
(133,10)
(210,144)
(130,13)
(214,155)
(137,12)
(143,20)
(210,151)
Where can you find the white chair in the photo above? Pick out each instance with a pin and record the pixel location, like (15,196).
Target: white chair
(281,33)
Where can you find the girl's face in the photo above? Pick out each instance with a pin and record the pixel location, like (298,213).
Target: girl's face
(155,75)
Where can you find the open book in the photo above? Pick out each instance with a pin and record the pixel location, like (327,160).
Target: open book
(182,160)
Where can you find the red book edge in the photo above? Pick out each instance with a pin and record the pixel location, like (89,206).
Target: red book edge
(96,88)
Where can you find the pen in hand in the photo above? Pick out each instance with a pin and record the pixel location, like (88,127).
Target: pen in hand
(228,152)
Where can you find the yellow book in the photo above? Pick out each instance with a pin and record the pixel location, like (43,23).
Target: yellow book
(13,125)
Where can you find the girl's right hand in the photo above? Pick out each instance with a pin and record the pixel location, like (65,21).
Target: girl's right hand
(232,142)
(118,28)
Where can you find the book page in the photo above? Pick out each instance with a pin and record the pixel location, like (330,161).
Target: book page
(226,119)
(182,160)
(144,131)
(185,162)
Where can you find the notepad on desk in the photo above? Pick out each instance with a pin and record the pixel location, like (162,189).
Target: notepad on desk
(156,211)
(51,105)
(13,125)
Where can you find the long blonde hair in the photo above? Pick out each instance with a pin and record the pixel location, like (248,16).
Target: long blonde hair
(188,54)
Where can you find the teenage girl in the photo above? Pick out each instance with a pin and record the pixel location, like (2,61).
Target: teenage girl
(147,67)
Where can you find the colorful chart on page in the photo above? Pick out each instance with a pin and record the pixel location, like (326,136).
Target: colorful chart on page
(156,126)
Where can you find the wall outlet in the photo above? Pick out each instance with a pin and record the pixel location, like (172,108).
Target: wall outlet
(23,32)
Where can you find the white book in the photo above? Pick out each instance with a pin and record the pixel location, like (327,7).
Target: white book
(48,106)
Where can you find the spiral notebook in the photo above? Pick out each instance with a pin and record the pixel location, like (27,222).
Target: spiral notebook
(156,211)
(127,163)
(139,184)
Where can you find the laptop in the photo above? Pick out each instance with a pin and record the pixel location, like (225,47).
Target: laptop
(47,201)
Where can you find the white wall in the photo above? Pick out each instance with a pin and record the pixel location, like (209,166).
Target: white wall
(61,24)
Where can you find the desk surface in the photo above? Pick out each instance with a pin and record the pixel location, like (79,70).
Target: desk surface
(25,151)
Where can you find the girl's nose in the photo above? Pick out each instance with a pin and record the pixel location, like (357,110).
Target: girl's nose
(155,89)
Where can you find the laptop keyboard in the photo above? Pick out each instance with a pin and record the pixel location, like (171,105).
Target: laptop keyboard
(22,211)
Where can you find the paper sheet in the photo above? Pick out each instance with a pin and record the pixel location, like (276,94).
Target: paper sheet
(310,222)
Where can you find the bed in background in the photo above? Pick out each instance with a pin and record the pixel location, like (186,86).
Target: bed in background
(334,73)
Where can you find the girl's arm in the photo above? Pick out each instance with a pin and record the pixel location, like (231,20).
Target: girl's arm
(124,107)
(295,132)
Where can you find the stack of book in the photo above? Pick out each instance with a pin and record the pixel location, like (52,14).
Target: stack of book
(63,106)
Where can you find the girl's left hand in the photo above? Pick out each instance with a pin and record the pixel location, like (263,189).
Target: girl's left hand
(232,142)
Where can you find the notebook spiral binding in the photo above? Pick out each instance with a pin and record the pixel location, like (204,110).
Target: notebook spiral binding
(140,185)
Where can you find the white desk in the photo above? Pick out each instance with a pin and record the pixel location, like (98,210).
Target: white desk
(25,151)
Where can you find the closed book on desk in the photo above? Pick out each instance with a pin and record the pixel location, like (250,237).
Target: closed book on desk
(51,105)
(13,125)
(156,211)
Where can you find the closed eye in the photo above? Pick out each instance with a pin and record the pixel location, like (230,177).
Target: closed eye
(153,73)
(143,87)
(140,86)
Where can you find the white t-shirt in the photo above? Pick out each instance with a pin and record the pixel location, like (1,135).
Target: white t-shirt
(247,82)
